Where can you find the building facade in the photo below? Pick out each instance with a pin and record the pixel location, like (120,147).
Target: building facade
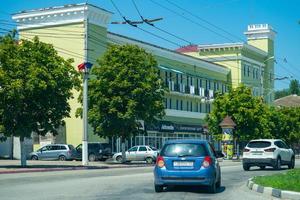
(193,74)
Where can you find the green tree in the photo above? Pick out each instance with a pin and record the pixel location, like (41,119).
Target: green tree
(35,86)
(284,124)
(248,112)
(294,87)
(282,93)
(124,89)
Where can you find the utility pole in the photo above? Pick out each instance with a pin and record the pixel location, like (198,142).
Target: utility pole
(85,93)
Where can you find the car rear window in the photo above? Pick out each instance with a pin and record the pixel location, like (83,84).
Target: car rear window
(70,147)
(185,149)
(259,144)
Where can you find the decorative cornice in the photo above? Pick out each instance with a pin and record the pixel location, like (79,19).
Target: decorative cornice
(173,55)
(260,31)
(227,58)
(62,15)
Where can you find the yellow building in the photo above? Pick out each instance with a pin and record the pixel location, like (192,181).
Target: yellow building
(193,74)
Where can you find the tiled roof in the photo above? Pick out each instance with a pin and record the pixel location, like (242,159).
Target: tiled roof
(288,101)
(227,121)
(189,48)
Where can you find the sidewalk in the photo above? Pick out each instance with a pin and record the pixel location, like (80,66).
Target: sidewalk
(13,166)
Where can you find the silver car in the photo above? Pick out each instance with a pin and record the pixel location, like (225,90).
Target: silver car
(54,152)
(138,153)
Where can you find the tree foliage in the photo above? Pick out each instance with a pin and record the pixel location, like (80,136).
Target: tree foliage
(35,86)
(124,89)
(294,87)
(248,112)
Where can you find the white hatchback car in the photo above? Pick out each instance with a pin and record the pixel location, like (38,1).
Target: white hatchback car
(138,153)
(268,152)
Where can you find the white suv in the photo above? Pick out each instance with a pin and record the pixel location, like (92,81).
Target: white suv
(265,152)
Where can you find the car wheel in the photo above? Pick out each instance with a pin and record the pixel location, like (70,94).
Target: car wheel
(218,184)
(262,167)
(158,188)
(92,157)
(213,188)
(62,158)
(292,163)
(246,167)
(34,158)
(278,164)
(119,158)
(149,160)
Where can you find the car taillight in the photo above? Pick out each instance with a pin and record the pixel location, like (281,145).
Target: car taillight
(270,150)
(246,150)
(207,161)
(160,161)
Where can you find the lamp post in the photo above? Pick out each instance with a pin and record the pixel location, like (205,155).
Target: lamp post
(227,126)
(85,69)
(261,76)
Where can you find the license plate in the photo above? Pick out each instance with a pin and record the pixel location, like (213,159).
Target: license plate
(183,164)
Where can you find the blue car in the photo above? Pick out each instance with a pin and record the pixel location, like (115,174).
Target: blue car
(187,162)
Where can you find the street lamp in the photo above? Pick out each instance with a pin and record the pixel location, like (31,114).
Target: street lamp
(85,69)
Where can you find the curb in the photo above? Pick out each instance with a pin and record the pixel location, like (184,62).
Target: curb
(284,194)
(29,170)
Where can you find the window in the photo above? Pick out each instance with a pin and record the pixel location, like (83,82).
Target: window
(200,107)
(191,106)
(142,149)
(166,78)
(259,144)
(184,149)
(200,83)
(132,149)
(187,80)
(170,103)
(191,81)
(206,84)
(253,74)
(166,103)
(187,105)
(63,147)
(245,66)
(177,106)
(256,74)
(181,78)
(248,70)
(181,105)
(177,79)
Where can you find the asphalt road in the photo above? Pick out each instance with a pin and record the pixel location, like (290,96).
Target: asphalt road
(132,183)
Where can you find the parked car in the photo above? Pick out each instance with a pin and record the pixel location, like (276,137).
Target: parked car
(54,152)
(138,153)
(96,151)
(268,152)
(187,162)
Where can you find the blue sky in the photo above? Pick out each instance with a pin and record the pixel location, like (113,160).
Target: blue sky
(231,15)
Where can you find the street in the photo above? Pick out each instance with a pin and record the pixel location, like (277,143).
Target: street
(129,183)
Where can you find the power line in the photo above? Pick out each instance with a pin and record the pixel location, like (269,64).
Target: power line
(190,20)
(206,21)
(151,24)
(153,34)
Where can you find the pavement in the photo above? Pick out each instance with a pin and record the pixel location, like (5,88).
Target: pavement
(125,183)
(13,166)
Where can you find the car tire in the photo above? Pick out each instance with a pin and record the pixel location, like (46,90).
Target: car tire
(278,164)
(119,159)
(62,158)
(34,158)
(213,188)
(246,167)
(291,165)
(218,184)
(262,167)
(158,188)
(149,160)
(92,157)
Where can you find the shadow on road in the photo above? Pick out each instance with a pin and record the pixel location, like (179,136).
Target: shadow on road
(192,189)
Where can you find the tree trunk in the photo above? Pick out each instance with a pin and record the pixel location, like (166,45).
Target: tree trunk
(23,153)
(123,150)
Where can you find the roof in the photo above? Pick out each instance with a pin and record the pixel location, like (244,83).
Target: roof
(189,48)
(227,121)
(288,101)
(196,141)
(210,65)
